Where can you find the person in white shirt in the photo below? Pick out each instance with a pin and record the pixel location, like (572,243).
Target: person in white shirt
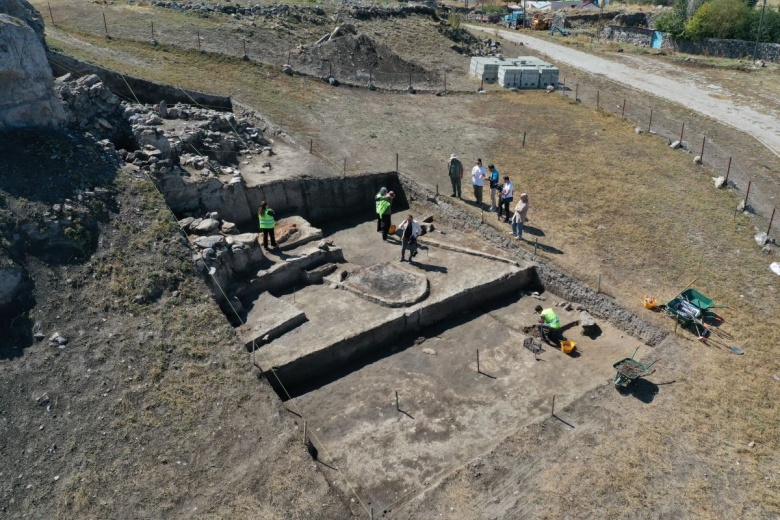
(507,195)
(478,175)
(409,230)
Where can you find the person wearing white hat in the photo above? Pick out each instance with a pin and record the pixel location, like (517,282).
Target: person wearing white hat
(455,171)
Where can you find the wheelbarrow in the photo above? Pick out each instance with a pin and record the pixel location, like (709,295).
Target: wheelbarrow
(692,309)
(629,369)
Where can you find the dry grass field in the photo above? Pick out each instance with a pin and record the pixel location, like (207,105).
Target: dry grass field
(605,202)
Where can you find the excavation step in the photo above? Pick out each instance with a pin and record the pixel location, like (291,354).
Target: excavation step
(348,326)
(269,318)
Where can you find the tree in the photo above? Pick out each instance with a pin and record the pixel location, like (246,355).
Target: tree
(728,19)
(770,28)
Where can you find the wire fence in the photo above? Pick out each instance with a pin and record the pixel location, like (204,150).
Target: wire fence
(703,150)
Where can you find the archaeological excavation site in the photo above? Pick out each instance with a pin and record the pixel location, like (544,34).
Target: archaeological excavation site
(396,373)
(251,267)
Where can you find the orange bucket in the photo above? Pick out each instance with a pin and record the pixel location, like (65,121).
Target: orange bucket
(567,347)
(650,302)
(391,229)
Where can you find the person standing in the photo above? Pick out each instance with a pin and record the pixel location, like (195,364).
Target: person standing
(494,176)
(267,219)
(383,210)
(410,230)
(455,171)
(478,175)
(507,195)
(520,216)
(379,196)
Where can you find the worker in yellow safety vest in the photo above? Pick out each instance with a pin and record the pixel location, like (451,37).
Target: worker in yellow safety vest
(267,219)
(379,196)
(548,322)
(383,202)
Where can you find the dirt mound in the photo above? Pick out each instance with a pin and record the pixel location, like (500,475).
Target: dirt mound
(354,57)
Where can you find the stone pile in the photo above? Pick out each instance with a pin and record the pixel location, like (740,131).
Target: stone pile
(92,107)
(298,12)
(366,13)
(209,140)
(218,245)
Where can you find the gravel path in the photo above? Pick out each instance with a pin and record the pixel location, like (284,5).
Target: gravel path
(764,125)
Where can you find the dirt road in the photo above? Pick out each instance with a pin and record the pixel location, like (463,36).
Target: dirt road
(672,83)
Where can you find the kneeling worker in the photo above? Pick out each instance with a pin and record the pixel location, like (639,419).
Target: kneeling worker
(548,322)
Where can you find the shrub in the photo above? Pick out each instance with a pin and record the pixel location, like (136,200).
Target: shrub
(729,19)
(674,22)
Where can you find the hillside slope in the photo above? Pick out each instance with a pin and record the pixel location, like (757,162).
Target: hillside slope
(123,391)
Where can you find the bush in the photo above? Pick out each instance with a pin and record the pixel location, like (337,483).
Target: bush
(674,21)
(728,19)
(454,21)
(770,28)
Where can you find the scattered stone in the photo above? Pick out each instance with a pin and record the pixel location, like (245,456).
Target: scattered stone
(675,145)
(185,222)
(333,81)
(697,159)
(720,182)
(212,241)
(58,339)
(639,131)
(569,307)
(761,238)
(428,219)
(228,228)
(163,109)
(207,225)
(751,444)
(429,351)
(323,246)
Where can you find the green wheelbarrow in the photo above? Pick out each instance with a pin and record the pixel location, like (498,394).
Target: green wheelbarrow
(629,369)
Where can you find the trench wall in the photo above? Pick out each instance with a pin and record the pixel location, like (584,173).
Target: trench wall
(319,200)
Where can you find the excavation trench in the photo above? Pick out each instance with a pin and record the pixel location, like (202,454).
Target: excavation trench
(403,371)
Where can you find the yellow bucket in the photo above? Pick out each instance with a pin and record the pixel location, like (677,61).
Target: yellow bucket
(650,302)
(567,347)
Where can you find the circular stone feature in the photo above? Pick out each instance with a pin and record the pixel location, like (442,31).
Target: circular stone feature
(388,284)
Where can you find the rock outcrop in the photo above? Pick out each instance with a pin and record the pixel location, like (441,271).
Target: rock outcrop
(25,12)
(27,97)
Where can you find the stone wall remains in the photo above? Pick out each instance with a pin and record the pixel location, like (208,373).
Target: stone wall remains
(734,49)
(131,88)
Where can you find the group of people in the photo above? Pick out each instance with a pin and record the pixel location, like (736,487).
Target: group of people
(501,193)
